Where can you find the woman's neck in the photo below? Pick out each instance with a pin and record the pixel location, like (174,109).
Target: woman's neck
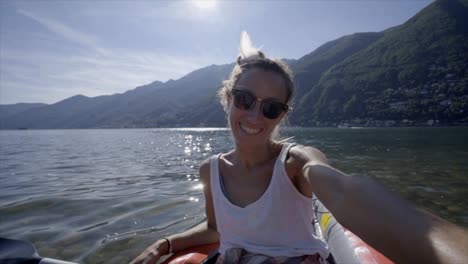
(251,156)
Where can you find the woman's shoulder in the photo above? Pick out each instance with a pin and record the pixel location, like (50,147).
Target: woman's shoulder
(299,155)
(205,167)
(204,170)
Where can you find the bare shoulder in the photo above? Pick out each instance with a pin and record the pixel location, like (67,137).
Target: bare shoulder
(299,155)
(205,171)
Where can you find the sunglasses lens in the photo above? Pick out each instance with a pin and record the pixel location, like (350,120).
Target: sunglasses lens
(272,110)
(243,100)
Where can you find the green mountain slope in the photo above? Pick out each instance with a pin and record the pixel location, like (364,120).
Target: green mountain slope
(417,71)
(309,69)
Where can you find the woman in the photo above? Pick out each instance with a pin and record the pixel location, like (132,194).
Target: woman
(259,195)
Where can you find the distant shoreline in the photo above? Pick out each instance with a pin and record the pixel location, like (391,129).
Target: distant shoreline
(226,128)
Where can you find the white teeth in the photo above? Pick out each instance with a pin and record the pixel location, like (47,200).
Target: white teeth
(250,130)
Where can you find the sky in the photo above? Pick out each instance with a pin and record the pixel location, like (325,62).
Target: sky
(52,50)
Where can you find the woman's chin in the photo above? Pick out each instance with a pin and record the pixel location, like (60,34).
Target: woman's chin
(243,137)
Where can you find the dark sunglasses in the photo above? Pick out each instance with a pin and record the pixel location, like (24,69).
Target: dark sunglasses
(245,100)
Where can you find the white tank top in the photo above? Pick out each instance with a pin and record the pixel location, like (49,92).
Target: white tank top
(278,224)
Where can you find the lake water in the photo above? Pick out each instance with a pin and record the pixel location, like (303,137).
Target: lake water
(102,196)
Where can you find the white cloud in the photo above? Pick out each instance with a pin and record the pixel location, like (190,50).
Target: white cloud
(90,74)
(43,75)
(62,30)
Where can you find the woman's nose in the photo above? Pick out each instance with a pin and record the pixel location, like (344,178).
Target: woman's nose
(256,111)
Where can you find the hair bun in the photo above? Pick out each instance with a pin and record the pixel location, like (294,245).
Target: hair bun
(247,49)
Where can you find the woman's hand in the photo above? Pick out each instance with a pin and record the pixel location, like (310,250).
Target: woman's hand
(153,253)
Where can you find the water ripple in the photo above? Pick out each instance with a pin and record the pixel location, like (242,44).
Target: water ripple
(96,196)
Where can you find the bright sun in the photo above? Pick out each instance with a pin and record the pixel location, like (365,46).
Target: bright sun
(205,4)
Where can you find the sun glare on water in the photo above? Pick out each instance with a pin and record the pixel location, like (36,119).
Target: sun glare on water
(204,4)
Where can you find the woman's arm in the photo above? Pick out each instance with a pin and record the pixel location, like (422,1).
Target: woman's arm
(204,233)
(392,225)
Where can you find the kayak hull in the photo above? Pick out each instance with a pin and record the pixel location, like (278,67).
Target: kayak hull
(193,255)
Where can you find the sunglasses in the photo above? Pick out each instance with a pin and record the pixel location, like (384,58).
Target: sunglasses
(245,100)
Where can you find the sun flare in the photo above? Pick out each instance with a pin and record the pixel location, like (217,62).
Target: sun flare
(204,4)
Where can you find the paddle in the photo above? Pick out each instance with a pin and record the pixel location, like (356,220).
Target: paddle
(21,252)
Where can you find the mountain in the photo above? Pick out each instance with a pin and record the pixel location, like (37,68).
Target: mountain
(7,111)
(154,105)
(412,74)
(310,68)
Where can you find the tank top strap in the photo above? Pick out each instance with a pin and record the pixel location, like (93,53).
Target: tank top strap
(214,170)
(285,151)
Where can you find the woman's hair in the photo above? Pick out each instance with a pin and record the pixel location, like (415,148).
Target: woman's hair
(256,62)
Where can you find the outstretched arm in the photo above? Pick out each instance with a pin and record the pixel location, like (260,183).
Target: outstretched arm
(389,223)
(204,233)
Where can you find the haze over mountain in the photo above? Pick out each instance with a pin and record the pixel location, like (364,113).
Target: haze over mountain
(412,74)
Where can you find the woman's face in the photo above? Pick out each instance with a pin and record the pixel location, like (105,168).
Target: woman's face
(251,127)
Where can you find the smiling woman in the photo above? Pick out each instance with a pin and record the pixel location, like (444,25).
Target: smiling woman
(204,4)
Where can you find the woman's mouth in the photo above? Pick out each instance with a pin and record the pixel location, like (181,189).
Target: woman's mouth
(249,130)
